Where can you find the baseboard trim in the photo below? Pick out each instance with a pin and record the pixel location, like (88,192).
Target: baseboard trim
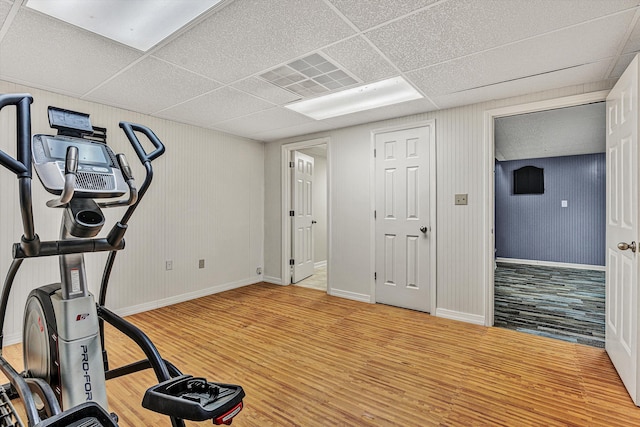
(272,280)
(350,295)
(12,339)
(476,319)
(140,308)
(135,309)
(551,264)
(320,264)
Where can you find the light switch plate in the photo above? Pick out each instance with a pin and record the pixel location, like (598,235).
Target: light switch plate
(564,203)
(461,199)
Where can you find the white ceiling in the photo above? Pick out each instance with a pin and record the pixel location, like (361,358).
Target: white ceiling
(553,133)
(455,52)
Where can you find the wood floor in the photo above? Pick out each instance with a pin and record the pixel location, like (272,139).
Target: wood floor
(309,359)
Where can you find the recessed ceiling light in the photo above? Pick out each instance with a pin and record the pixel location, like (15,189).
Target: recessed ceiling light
(380,94)
(140,24)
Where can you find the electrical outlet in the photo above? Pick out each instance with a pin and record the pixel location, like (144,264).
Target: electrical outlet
(259,271)
(201,263)
(461,199)
(168,265)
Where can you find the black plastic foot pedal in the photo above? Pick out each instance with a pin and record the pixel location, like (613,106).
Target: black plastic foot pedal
(195,399)
(89,414)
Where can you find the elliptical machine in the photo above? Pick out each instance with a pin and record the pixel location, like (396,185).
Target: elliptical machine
(66,364)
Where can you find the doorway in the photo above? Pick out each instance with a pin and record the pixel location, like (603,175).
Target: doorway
(549,194)
(317,279)
(311,245)
(490,167)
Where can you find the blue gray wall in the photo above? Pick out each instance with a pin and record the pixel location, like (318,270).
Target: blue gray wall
(536,227)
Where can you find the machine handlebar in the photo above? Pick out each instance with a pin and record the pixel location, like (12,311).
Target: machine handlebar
(130,129)
(22,165)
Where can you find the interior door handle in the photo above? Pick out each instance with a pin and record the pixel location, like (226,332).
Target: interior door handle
(423,229)
(313,221)
(624,246)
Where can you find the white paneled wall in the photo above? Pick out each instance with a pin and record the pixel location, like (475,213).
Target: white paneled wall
(206,202)
(461,230)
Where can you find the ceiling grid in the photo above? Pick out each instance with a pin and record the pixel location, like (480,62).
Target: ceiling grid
(216,71)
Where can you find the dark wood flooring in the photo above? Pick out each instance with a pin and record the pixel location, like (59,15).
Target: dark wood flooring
(562,303)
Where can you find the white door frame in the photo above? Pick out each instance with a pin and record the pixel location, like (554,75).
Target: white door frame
(489,171)
(432,205)
(285,190)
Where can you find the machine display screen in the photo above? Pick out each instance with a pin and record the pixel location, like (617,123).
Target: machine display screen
(87,152)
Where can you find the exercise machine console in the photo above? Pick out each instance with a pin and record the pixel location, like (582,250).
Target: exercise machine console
(65,359)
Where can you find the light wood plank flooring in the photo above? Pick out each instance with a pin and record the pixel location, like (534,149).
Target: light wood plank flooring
(308,359)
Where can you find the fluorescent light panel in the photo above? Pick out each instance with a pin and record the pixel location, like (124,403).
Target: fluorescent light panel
(380,94)
(140,24)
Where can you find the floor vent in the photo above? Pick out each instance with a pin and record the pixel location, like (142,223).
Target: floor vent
(310,76)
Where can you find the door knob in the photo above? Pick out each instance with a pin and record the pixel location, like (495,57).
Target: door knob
(423,229)
(313,221)
(624,246)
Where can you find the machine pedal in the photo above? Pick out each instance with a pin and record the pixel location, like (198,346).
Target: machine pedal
(195,399)
(89,414)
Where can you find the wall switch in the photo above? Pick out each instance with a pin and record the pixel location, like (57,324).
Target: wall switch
(201,263)
(564,203)
(168,265)
(461,199)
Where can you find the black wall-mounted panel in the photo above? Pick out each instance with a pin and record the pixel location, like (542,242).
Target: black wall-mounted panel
(528,180)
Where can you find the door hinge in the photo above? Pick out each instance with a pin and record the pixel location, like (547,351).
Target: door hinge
(292,213)
(374,214)
(375,276)
(291,262)
(292,165)
(374,152)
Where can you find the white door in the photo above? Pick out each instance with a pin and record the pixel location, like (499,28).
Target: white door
(622,229)
(302,222)
(402,218)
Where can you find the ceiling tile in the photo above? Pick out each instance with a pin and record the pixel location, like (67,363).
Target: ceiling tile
(367,13)
(568,77)
(4,11)
(460,27)
(249,36)
(362,60)
(152,85)
(222,104)
(575,46)
(266,91)
(274,118)
(48,53)
(574,130)
(303,129)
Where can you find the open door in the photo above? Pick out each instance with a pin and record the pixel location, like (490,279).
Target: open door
(302,221)
(622,299)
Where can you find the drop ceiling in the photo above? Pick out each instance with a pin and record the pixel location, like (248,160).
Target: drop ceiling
(212,73)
